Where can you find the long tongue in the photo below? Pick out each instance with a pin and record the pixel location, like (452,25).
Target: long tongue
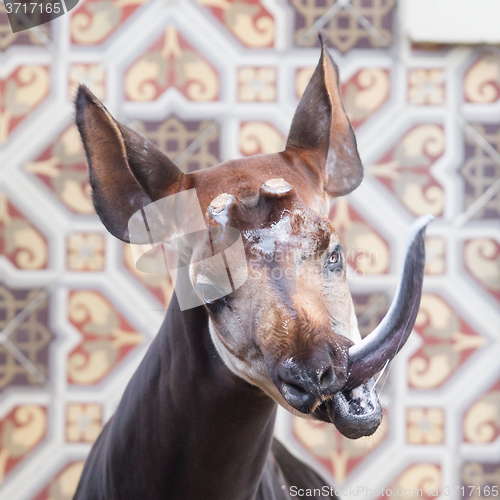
(368,356)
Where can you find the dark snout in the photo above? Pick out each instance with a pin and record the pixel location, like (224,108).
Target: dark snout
(304,383)
(317,385)
(356,412)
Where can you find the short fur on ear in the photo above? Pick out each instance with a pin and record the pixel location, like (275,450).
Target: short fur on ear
(321,131)
(126,171)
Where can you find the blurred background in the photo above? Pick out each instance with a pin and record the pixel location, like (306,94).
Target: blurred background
(211,80)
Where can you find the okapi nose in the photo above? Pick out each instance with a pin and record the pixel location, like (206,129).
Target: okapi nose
(303,383)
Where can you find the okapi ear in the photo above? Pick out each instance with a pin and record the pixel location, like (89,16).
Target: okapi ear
(126,171)
(321,131)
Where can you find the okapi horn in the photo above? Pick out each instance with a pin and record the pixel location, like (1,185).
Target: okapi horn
(368,356)
(276,188)
(219,207)
(222,214)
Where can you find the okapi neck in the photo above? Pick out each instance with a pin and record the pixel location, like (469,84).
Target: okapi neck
(186,423)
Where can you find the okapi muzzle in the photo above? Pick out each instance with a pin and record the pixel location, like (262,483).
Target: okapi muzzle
(290,328)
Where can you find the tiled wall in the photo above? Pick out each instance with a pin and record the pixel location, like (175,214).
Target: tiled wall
(209,80)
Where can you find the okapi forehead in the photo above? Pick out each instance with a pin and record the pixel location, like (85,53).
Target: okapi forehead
(244,177)
(298,229)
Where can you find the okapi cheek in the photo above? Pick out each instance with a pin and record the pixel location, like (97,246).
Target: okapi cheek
(250,368)
(253,371)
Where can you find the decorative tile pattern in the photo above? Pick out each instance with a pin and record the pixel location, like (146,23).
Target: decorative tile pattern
(302,77)
(435,255)
(28,342)
(63,486)
(91,75)
(160,285)
(426,86)
(257,84)
(20,94)
(481,169)
(482,420)
(248,20)
(344,30)
(336,453)
(20,241)
(482,80)
(62,167)
(175,136)
(364,93)
(94,21)
(447,342)
(171,62)
(83,422)
(206,81)
(405,170)
(425,426)
(29,37)
(106,337)
(365,249)
(86,252)
(482,260)
(418,481)
(260,138)
(478,479)
(21,431)
(370,309)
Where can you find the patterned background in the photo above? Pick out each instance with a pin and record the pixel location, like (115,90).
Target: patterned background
(209,80)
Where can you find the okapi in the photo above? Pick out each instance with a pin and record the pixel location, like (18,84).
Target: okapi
(197,418)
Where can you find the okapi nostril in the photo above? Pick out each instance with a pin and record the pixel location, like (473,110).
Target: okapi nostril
(327,377)
(296,388)
(297,396)
(295,393)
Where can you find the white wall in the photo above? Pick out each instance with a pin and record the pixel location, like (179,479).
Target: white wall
(453,21)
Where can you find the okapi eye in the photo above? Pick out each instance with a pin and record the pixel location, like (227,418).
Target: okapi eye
(334,261)
(218,305)
(334,257)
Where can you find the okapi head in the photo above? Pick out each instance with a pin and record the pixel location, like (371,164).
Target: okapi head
(290,329)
